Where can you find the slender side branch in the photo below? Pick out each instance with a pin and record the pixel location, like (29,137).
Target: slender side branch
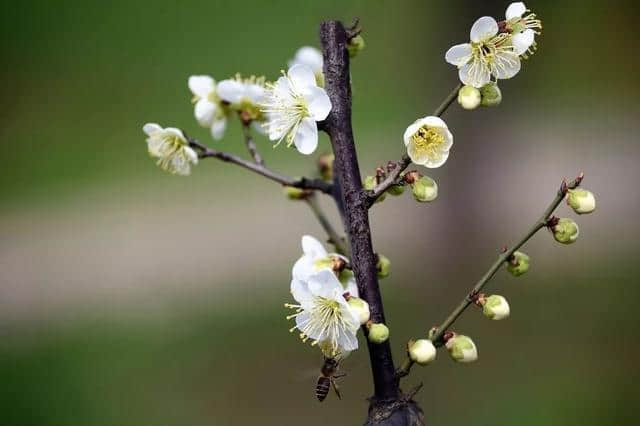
(251,144)
(334,238)
(393,178)
(302,183)
(542,222)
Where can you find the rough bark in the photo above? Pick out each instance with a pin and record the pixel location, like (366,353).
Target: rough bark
(388,405)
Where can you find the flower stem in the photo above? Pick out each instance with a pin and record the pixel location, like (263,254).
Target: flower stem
(335,239)
(437,338)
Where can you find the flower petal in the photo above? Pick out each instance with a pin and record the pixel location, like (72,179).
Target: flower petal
(306,138)
(218,126)
(475,74)
(352,287)
(459,54)
(151,128)
(433,121)
(522,41)
(176,132)
(302,78)
(325,284)
(312,247)
(433,163)
(309,56)
(506,65)
(201,85)
(484,28)
(231,91)
(417,157)
(255,93)
(515,10)
(318,103)
(204,112)
(258,127)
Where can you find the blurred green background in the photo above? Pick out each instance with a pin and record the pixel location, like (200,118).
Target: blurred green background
(129,296)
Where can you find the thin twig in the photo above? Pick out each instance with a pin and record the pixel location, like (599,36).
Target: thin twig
(302,183)
(542,221)
(393,177)
(251,145)
(334,238)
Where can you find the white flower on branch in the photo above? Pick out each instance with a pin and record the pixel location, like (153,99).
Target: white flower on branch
(522,28)
(315,258)
(293,105)
(489,53)
(245,95)
(323,315)
(171,148)
(428,141)
(209,109)
(312,58)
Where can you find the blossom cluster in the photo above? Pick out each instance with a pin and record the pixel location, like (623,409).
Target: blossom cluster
(328,311)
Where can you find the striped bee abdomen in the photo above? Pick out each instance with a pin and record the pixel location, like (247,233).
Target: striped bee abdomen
(322,387)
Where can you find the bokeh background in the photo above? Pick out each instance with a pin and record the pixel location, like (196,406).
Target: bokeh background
(129,296)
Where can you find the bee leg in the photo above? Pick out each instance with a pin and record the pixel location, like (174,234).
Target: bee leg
(336,388)
(337,376)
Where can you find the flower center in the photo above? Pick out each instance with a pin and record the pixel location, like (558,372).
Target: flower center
(427,140)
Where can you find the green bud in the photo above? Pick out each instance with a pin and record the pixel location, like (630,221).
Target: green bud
(491,94)
(370,183)
(360,308)
(566,231)
(581,200)
(396,190)
(462,349)
(424,189)
(421,351)
(378,333)
(518,264)
(325,166)
(355,45)
(469,97)
(383,266)
(293,193)
(495,307)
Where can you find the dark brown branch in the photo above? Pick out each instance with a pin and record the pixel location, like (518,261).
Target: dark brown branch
(302,183)
(542,221)
(333,37)
(393,177)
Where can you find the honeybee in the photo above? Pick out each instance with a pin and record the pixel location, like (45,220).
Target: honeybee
(328,378)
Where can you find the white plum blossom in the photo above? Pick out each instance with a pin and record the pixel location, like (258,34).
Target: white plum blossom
(323,314)
(312,58)
(488,54)
(245,95)
(209,110)
(428,141)
(522,27)
(315,258)
(171,148)
(293,105)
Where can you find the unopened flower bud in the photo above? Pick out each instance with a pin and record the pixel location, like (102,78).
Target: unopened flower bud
(462,349)
(356,44)
(378,333)
(469,97)
(581,200)
(383,266)
(566,231)
(360,308)
(421,351)
(424,189)
(325,166)
(293,193)
(370,183)
(491,94)
(495,307)
(518,264)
